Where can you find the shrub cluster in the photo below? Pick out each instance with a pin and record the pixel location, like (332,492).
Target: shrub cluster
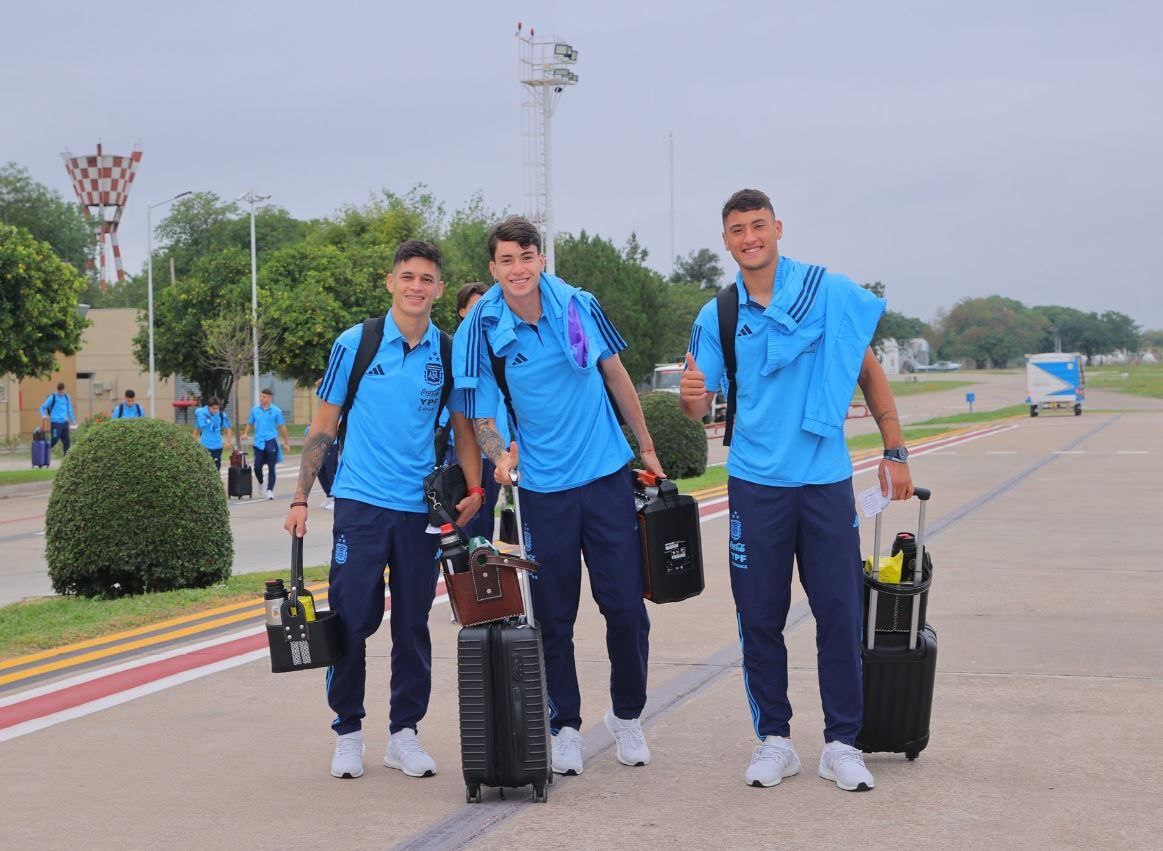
(680,442)
(137,506)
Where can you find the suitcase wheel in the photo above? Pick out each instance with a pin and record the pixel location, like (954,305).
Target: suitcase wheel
(540,794)
(912,754)
(472,794)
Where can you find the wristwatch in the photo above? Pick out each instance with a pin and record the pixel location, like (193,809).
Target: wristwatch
(900,454)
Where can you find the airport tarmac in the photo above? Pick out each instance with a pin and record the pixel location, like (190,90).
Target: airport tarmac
(1046,599)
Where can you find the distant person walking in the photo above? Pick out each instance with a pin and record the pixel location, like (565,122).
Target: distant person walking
(211,421)
(128,409)
(58,410)
(269,424)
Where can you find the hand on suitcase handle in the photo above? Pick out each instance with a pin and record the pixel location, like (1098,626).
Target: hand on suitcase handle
(921,493)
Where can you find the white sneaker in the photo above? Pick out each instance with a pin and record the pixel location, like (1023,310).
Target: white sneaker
(270,494)
(632,749)
(328,504)
(772,761)
(407,754)
(348,759)
(844,764)
(567,752)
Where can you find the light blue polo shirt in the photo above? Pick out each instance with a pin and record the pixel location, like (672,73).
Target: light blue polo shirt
(62,410)
(122,411)
(211,425)
(566,431)
(388,448)
(769,446)
(266,423)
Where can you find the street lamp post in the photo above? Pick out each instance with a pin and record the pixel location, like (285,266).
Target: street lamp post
(252,198)
(149,277)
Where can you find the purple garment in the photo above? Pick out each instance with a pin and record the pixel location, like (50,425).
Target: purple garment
(578,345)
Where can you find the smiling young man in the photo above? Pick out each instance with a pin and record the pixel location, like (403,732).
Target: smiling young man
(380,515)
(801,343)
(560,354)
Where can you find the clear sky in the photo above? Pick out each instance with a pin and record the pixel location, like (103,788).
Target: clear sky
(946,149)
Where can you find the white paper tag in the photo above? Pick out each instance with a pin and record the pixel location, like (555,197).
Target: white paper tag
(872,501)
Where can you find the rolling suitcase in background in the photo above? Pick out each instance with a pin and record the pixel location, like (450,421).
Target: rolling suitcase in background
(238,479)
(900,652)
(672,549)
(504,712)
(40,451)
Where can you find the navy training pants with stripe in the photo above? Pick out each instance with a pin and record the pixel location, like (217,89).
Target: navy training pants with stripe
(815,524)
(366,538)
(596,520)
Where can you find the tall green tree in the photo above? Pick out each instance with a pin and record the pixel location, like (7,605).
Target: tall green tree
(700,267)
(990,331)
(893,324)
(39,293)
(41,211)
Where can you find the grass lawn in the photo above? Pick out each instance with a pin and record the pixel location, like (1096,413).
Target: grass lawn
(920,385)
(20,477)
(41,624)
(1138,380)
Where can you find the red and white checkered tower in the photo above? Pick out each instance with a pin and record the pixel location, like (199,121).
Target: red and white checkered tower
(102,184)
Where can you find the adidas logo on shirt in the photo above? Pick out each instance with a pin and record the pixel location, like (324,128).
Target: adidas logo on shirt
(376,370)
(745,331)
(519,359)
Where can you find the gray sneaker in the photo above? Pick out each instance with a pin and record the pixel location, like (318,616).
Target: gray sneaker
(772,761)
(567,752)
(845,765)
(348,760)
(407,754)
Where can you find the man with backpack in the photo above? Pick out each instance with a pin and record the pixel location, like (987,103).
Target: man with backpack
(269,425)
(790,341)
(211,424)
(548,350)
(387,380)
(58,410)
(128,409)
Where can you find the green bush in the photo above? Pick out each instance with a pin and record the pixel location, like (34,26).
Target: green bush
(137,506)
(680,442)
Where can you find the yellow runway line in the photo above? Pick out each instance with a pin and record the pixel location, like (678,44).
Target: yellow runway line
(252,608)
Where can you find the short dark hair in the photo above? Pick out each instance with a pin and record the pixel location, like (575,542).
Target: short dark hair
(410,248)
(747,199)
(214,402)
(514,229)
(468,291)
(129,394)
(60,385)
(266,391)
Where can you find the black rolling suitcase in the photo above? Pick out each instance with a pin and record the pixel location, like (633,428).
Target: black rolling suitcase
(899,653)
(672,549)
(504,712)
(238,479)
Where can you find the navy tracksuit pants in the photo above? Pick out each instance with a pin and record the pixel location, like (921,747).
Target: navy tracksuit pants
(267,456)
(483,522)
(366,538)
(817,525)
(596,520)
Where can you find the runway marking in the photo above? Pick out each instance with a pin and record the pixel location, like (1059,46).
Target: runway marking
(1134,452)
(1069,452)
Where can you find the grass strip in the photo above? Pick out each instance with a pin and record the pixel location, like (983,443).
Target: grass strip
(918,386)
(23,477)
(47,622)
(1138,380)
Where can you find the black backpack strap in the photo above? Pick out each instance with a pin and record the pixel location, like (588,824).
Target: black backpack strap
(727,302)
(441,439)
(121,409)
(369,343)
(498,364)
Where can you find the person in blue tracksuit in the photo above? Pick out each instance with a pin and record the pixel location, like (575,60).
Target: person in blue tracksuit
(58,410)
(210,424)
(266,418)
(128,409)
(801,343)
(380,515)
(561,354)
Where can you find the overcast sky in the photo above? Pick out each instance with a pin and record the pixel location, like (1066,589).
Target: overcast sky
(946,149)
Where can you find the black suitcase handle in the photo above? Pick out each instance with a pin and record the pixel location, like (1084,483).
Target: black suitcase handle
(921,585)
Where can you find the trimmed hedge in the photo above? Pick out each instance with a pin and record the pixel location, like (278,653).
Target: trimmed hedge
(680,442)
(137,506)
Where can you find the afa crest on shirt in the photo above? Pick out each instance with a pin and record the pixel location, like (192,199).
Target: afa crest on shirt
(434,372)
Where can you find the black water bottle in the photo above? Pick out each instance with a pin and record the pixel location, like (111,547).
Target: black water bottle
(273,599)
(453,552)
(906,542)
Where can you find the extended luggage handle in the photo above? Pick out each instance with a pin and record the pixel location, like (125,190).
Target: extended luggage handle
(923,495)
(522,575)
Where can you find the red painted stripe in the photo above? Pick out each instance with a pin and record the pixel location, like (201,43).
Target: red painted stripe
(81,693)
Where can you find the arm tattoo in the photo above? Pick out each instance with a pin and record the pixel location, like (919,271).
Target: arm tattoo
(489,440)
(887,415)
(314,454)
